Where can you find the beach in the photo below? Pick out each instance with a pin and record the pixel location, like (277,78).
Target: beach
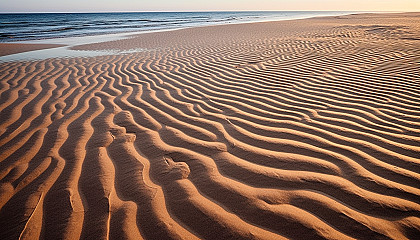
(296,129)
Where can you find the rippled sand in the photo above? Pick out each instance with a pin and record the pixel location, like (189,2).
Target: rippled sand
(304,129)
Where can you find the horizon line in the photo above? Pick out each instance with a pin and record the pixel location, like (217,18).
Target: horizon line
(208,11)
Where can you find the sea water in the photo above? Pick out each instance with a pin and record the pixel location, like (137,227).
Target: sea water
(31,26)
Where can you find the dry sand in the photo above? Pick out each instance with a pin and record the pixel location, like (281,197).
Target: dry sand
(304,129)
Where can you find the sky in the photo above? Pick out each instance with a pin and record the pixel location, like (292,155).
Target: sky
(204,5)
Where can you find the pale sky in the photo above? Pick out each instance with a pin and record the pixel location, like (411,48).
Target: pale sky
(204,5)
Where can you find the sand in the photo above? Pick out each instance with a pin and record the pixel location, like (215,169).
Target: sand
(13,48)
(303,129)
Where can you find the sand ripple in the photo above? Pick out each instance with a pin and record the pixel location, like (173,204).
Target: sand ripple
(255,131)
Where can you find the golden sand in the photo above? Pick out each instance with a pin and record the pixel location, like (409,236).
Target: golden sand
(13,48)
(303,129)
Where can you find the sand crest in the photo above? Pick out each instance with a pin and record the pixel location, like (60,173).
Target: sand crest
(304,129)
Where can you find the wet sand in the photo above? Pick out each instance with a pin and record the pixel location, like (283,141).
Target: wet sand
(13,48)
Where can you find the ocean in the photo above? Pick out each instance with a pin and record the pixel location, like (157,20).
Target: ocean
(35,26)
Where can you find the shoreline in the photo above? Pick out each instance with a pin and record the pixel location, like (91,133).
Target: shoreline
(72,41)
(272,18)
(66,44)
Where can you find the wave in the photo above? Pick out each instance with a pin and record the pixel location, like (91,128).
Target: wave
(97,23)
